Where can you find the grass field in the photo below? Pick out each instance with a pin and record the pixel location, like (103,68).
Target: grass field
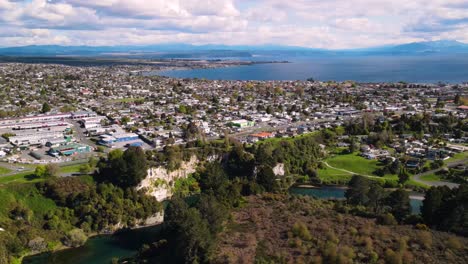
(458,156)
(4,170)
(70,169)
(28,177)
(329,175)
(23,177)
(430,177)
(353,163)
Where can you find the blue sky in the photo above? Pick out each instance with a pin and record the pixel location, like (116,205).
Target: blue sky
(332,24)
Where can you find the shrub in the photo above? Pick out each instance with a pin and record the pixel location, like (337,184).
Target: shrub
(373,257)
(422,227)
(75,238)
(425,239)
(386,219)
(391,257)
(407,257)
(403,243)
(454,243)
(347,252)
(300,230)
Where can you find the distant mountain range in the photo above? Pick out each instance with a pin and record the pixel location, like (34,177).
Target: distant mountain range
(178,50)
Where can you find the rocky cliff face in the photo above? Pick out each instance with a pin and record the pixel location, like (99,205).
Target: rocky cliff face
(278,170)
(159,182)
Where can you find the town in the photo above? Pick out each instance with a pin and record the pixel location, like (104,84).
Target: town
(54,113)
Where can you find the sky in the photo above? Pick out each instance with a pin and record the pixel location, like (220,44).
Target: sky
(331,24)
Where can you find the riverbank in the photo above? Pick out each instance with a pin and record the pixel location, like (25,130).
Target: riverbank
(100,248)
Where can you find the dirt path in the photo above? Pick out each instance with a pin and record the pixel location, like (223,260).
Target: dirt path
(350,172)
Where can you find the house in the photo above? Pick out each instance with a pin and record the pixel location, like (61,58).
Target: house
(241,123)
(260,136)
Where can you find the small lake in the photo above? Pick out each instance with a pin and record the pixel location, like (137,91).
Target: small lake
(101,249)
(332,192)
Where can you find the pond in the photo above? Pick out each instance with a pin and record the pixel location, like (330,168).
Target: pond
(334,192)
(101,249)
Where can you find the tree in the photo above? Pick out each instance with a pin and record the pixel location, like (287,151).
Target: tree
(136,167)
(75,238)
(358,190)
(431,204)
(191,232)
(376,196)
(45,108)
(403,176)
(399,202)
(52,170)
(267,178)
(125,169)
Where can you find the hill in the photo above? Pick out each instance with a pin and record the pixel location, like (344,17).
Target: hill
(282,229)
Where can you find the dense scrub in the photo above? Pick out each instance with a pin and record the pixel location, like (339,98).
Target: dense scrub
(64,211)
(283,229)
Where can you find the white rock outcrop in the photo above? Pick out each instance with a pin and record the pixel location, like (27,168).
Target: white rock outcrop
(159,181)
(278,170)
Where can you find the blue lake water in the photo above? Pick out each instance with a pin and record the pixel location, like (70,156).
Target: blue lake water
(330,192)
(415,69)
(100,249)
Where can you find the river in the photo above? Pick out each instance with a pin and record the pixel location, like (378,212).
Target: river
(332,192)
(102,249)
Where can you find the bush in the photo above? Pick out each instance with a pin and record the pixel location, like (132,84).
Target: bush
(391,257)
(300,230)
(76,238)
(422,227)
(454,243)
(386,219)
(425,239)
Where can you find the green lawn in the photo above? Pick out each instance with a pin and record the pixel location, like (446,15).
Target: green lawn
(4,170)
(329,175)
(70,169)
(430,177)
(353,163)
(23,177)
(458,156)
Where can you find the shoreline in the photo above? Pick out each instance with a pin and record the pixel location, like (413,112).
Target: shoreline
(91,236)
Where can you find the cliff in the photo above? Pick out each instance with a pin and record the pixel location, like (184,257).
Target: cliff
(160,181)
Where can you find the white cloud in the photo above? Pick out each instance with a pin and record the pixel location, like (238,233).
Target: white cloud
(313,23)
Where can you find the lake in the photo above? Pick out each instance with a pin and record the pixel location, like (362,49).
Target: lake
(101,249)
(332,192)
(415,69)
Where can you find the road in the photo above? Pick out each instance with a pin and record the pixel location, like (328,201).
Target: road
(451,185)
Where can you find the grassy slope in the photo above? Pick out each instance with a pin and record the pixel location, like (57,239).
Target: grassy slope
(262,231)
(28,177)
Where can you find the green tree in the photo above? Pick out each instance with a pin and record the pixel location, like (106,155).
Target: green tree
(267,178)
(399,202)
(45,108)
(358,190)
(403,176)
